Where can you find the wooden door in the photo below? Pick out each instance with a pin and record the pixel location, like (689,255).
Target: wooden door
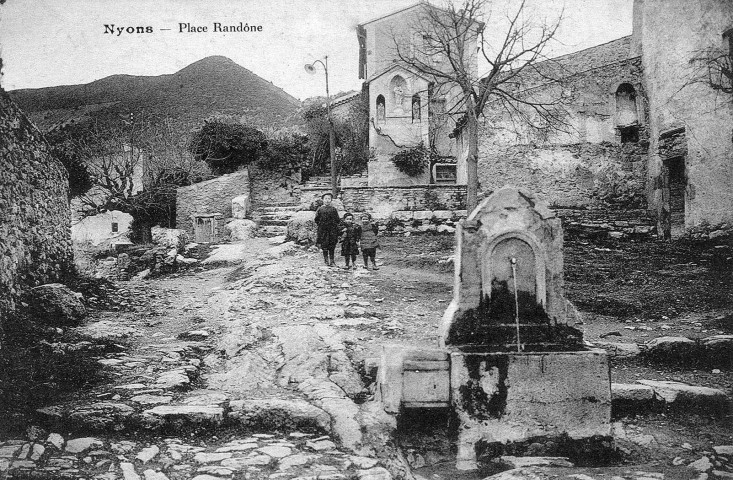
(204,229)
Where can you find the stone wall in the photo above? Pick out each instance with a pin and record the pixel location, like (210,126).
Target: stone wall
(572,175)
(211,196)
(380,202)
(587,163)
(270,188)
(35,223)
(677,99)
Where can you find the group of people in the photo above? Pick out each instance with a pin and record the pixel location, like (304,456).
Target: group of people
(353,236)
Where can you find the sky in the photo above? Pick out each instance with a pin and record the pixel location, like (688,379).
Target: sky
(63,42)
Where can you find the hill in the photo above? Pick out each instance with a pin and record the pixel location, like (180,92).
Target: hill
(213,85)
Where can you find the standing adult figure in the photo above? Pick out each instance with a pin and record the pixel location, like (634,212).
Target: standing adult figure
(327,219)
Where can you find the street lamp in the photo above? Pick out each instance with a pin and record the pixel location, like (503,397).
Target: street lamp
(311,69)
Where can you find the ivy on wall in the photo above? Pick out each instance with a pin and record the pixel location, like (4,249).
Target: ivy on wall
(412,161)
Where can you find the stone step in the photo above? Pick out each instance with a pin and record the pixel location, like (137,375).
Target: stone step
(277,210)
(273,223)
(272,230)
(277,216)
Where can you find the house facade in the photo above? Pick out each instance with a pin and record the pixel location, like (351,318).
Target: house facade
(645,129)
(408,108)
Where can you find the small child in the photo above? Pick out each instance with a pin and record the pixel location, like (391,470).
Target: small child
(350,238)
(369,241)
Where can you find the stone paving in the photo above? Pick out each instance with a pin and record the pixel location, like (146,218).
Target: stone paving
(263,380)
(296,455)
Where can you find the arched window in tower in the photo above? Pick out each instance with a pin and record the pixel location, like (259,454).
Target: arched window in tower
(626,105)
(416,108)
(381,117)
(627,118)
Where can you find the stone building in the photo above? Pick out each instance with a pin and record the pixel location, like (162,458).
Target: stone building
(35,234)
(406,109)
(642,134)
(597,157)
(690,166)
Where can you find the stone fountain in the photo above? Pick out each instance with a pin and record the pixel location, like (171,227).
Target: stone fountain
(510,363)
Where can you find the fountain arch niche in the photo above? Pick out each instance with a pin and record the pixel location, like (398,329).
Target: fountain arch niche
(510,365)
(509,274)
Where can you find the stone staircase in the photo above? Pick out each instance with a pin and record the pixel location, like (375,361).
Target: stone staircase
(322,181)
(273,220)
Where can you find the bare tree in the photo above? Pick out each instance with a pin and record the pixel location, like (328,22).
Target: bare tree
(479,67)
(135,167)
(714,66)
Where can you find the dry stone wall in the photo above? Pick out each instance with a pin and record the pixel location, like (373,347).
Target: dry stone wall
(211,196)
(574,175)
(35,219)
(270,188)
(382,201)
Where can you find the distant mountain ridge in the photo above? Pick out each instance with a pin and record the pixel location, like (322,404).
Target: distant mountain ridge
(212,85)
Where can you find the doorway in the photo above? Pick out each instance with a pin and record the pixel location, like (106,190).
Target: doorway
(203,229)
(677,183)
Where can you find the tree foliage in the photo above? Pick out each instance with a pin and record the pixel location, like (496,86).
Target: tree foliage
(351,125)
(286,152)
(227,146)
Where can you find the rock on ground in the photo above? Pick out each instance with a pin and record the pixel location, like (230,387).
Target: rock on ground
(241,229)
(278,414)
(169,237)
(302,227)
(685,398)
(57,305)
(671,349)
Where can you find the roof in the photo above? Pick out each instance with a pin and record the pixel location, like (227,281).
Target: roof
(344,99)
(394,13)
(392,67)
(421,3)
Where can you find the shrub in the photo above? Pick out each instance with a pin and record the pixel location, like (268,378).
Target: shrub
(227,146)
(412,161)
(393,223)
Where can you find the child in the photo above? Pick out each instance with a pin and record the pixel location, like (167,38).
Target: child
(369,241)
(327,219)
(350,237)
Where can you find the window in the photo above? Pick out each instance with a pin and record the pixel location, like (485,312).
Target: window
(445,173)
(380,109)
(626,105)
(627,119)
(115,227)
(416,114)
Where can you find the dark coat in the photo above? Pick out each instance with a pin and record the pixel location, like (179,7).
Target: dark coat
(369,236)
(327,219)
(350,238)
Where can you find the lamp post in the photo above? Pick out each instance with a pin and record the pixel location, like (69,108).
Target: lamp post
(311,69)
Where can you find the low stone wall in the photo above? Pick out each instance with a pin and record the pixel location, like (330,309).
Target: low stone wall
(211,196)
(381,202)
(35,224)
(607,222)
(437,208)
